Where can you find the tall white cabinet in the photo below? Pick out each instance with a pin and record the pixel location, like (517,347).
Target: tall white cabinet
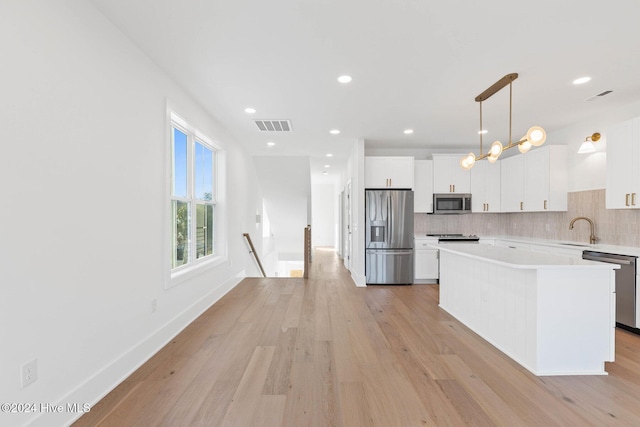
(423,186)
(623,165)
(388,172)
(448,176)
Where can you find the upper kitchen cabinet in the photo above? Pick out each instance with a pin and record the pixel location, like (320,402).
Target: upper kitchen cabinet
(448,176)
(423,186)
(388,172)
(546,179)
(485,187)
(536,181)
(512,184)
(623,165)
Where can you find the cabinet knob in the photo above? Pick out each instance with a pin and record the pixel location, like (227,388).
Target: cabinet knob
(633,199)
(626,199)
(521,206)
(545,204)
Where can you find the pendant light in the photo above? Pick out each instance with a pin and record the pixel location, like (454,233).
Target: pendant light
(535,137)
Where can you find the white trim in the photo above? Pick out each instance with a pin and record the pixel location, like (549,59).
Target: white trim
(195,266)
(108,378)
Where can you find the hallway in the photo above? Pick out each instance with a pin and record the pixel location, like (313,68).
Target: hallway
(322,352)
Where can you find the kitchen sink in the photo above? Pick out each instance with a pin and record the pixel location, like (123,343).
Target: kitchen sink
(584,245)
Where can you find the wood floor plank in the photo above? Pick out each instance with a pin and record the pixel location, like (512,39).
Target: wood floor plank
(323,352)
(292,317)
(269,411)
(247,396)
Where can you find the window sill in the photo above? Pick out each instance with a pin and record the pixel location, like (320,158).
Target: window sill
(192,270)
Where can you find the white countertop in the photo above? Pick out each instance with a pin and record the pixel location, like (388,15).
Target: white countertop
(612,249)
(521,259)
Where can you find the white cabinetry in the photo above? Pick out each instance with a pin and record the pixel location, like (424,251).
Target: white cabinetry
(553,315)
(448,176)
(426,263)
(546,179)
(485,187)
(623,165)
(536,181)
(388,172)
(512,184)
(423,186)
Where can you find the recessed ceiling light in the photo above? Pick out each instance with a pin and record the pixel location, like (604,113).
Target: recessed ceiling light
(581,80)
(408,131)
(483,131)
(329,155)
(334,131)
(271,144)
(327,166)
(249,110)
(344,79)
(325,173)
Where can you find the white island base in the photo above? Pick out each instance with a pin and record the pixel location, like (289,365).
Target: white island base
(553,315)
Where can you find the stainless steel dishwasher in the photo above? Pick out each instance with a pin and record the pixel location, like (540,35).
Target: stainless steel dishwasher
(625,285)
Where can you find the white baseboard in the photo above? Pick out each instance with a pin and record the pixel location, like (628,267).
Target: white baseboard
(359,280)
(104,381)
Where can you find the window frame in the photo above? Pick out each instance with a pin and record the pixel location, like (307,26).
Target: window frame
(195,265)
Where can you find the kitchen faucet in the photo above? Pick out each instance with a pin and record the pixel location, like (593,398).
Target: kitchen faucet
(592,238)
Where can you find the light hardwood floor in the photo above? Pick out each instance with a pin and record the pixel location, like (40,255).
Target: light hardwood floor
(322,352)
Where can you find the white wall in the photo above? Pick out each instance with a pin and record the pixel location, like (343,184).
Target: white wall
(84,221)
(324,214)
(286,186)
(355,176)
(588,171)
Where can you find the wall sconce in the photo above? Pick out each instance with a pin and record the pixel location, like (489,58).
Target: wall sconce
(535,136)
(588,145)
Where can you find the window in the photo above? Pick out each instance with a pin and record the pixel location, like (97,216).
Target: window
(193,195)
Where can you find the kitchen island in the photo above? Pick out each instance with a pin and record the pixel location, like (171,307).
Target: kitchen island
(554,315)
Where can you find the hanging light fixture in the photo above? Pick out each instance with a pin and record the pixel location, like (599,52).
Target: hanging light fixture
(535,136)
(588,145)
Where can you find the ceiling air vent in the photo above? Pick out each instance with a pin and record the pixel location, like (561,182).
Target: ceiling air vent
(606,92)
(273,125)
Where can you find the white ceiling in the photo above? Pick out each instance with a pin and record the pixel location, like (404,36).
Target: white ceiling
(415,64)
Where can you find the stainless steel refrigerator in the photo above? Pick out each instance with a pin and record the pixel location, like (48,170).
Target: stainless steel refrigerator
(389,236)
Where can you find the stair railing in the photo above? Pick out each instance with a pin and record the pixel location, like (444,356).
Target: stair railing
(307,251)
(254,253)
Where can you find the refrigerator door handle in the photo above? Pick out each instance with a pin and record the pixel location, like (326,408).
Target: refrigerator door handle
(390,217)
(390,251)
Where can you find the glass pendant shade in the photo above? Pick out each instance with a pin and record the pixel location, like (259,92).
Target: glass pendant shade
(496,149)
(468,161)
(536,136)
(464,163)
(587,147)
(525,146)
(491,159)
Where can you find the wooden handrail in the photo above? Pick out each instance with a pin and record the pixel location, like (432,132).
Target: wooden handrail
(307,251)
(255,254)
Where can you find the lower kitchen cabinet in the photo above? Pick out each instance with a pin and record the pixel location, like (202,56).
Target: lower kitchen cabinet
(426,263)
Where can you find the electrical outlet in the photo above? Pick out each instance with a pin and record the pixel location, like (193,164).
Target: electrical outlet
(154,305)
(29,372)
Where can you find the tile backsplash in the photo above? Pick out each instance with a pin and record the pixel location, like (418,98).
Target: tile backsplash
(613,226)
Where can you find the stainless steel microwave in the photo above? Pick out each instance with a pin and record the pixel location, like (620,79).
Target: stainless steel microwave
(451,203)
